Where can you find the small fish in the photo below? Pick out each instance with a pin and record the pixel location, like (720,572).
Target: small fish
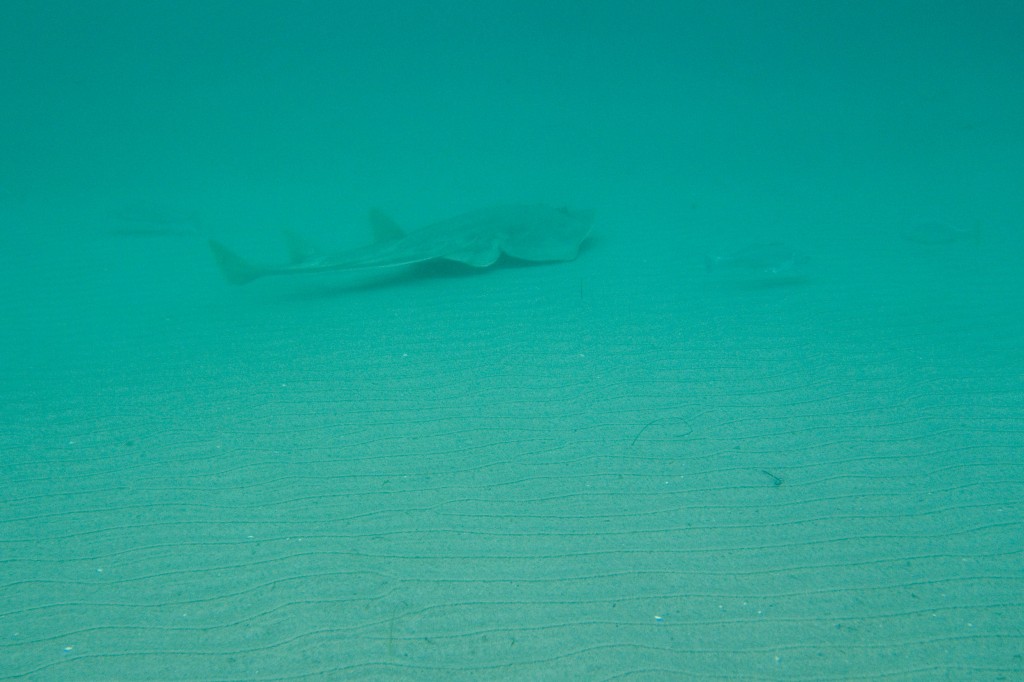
(774,259)
(154,231)
(153,220)
(930,233)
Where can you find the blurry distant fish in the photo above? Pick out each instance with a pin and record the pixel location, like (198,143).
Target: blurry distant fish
(154,220)
(479,239)
(773,259)
(940,233)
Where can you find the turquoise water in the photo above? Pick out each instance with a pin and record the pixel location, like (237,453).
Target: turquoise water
(767,425)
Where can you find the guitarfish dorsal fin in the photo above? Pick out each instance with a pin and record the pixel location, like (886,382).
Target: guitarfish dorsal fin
(299,250)
(384,228)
